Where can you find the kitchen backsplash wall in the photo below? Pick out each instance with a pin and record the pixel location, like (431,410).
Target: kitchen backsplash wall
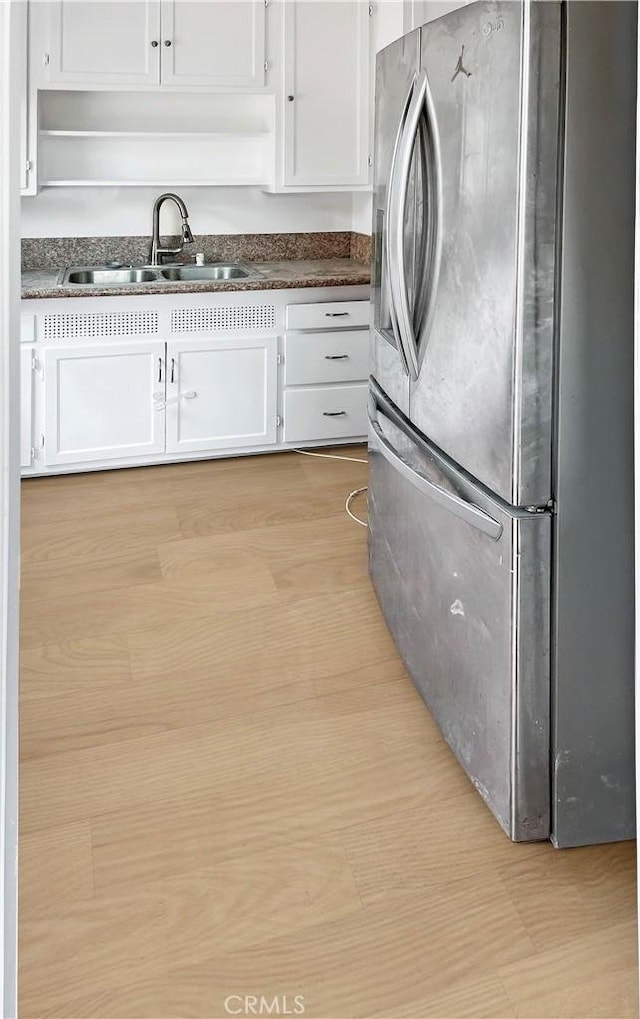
(361,248)
(118,212)
(43,252)
(362,213)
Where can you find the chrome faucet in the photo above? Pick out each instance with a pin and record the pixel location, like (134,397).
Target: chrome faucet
(155,257)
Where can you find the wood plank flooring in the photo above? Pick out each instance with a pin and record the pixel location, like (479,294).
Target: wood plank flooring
(230,787)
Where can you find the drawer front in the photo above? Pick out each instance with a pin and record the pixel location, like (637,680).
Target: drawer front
(328,315)
(325,412)
(326,357)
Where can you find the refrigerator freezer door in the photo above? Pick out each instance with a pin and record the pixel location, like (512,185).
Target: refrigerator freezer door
(484,392)
(464,586)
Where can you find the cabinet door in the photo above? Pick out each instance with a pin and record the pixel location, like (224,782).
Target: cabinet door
(221,394)
(215,43)
(325,412)
(326,93)
(105,42)
(21,15)
(26,405)
(103,402)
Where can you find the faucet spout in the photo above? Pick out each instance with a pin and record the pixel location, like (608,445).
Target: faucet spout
(156,252)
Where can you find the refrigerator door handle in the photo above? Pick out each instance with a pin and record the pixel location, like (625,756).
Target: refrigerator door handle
(466,511)
(432,197)
(398,188)
(391,230)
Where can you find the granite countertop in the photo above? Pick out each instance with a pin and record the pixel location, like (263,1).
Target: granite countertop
(282,275)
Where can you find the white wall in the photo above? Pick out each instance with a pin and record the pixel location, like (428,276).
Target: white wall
(126,211)
(362,214)
(418,12)
(12,26)
(388,24)
(637,481)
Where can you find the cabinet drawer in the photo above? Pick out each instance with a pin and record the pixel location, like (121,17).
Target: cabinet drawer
(326,412)
(328,315)
(326,357)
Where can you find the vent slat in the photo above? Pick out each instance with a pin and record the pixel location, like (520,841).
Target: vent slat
(229,318)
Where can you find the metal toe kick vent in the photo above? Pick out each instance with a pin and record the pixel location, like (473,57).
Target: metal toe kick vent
(228,318)
(100,324)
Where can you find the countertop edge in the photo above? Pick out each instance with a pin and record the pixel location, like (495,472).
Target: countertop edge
(358,276)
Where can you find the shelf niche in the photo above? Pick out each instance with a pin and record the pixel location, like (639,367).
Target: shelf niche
(145,138)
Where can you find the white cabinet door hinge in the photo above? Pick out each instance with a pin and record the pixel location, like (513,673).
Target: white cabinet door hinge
(370,10)
(266,65)
(35,450)
(28,166)
(370,160)
(279,421)
(280,359)
(35,365)
(45,59)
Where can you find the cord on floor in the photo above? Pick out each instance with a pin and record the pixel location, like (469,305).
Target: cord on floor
(331,456)
(347,506)
(356,491)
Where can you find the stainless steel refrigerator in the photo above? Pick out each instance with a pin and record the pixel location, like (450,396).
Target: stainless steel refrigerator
(501,399)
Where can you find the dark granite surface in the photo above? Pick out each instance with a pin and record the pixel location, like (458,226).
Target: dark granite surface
(361,248)
(274,275)
(63,251)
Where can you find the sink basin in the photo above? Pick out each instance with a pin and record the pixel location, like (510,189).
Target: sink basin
(98,277)
(105,275)
(205,272)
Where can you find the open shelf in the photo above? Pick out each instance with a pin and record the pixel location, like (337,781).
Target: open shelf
(101,139)
(232,183)
(149,134)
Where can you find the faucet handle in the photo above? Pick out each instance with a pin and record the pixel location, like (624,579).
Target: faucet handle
(200,258)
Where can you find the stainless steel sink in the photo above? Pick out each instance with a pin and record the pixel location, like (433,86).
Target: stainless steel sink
(206,272)
(105,275)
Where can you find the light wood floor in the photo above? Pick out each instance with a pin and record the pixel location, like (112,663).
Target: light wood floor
(230,787)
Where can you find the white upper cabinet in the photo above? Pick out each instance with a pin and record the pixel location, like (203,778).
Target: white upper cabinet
(104,43)
(325,111)
(25,161)
(212,44)
(215,43)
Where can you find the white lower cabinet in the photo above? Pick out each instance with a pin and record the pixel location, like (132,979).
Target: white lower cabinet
(325,412)
(340,356)
(326,351)
(26,405)
(122,381)
(101,402)
(221,394)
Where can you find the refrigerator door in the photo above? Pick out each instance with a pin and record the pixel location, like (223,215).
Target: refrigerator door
(396,72)
(463,583)
(484,355)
